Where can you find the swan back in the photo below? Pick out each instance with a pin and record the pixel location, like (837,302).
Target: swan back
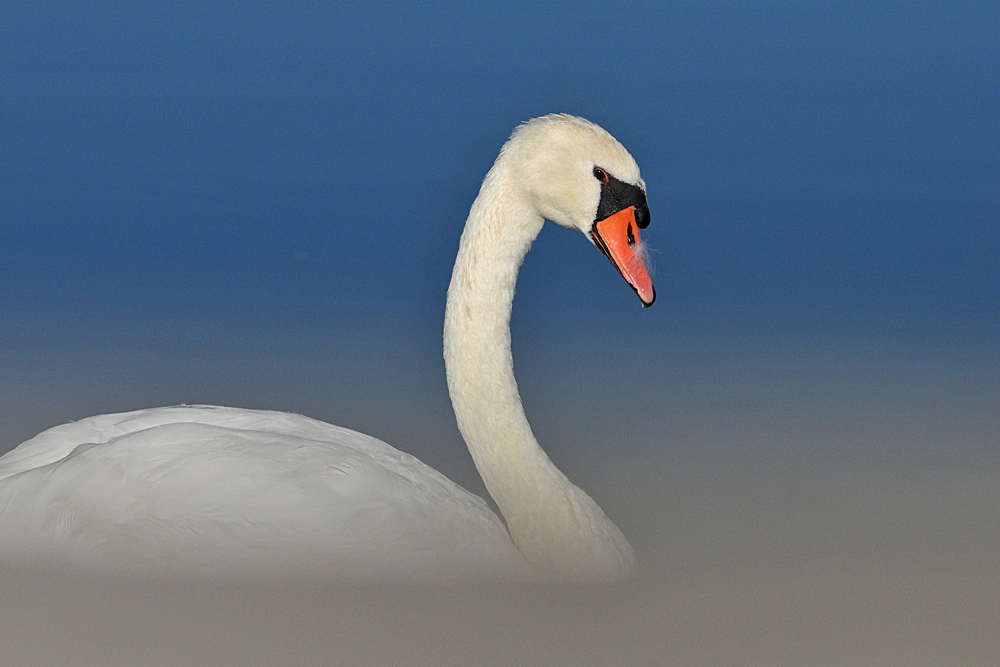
(210,492)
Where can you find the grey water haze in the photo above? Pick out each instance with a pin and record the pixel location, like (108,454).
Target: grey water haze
(785,511)
(258,206)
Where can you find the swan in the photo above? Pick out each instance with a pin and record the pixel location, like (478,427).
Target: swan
(210,493)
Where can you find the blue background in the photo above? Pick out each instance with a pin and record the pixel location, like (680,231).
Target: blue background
(258,204)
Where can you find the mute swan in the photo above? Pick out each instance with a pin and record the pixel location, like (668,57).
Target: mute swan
(202,492)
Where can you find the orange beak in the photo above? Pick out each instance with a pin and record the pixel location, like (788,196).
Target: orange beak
(618,237)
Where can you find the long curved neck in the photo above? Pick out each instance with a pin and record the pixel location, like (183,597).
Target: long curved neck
(555,525)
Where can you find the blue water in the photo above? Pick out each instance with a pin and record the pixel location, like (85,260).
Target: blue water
(259,204)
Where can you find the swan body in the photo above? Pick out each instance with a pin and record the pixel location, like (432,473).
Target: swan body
(213,492)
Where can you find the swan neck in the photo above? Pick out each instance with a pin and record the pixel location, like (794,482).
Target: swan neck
(554,524)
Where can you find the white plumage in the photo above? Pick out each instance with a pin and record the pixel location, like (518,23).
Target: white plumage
(202,492)
(214,492)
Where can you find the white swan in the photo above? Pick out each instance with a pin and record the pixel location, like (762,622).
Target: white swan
(212,492)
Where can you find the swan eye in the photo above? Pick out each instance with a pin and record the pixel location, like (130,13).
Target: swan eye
(600,175)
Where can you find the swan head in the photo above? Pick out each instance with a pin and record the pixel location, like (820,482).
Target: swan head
(578,176)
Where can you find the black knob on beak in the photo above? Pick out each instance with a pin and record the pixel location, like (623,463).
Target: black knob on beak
(642,216)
